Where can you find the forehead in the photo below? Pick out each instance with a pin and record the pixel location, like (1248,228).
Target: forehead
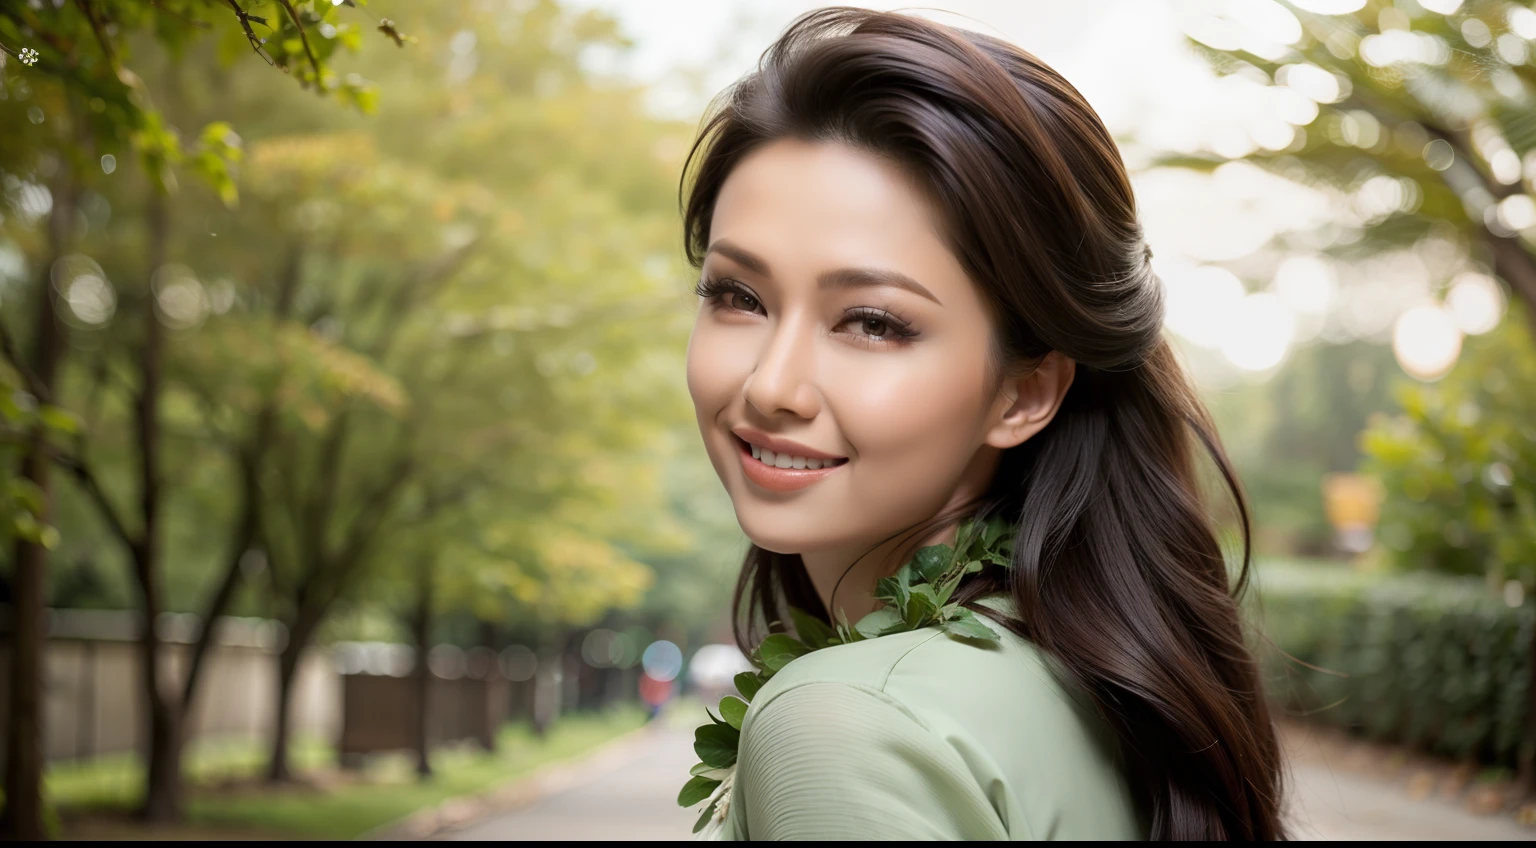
(809,206)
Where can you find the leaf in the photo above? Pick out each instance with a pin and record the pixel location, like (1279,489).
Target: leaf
(716,744)
(877,623)
(846,631)
(59,420)
(966,625)
(931,561)
(994,529)
(894,589)
(945,591)
(695,790)
(747,683)
(733,710)
(702,770)
(811,630)
(923,607)
(779,649)
(28,527)
(704,817)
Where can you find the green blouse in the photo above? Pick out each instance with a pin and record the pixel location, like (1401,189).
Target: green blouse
(922,736)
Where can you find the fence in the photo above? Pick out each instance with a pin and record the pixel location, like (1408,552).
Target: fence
(358,696)
(93,702)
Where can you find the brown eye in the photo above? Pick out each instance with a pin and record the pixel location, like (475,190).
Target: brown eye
(751,301)
(878,325)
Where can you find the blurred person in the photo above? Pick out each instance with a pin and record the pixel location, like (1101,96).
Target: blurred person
(926,299)
(655,693)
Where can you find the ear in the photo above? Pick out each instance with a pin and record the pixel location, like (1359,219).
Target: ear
(1026,403)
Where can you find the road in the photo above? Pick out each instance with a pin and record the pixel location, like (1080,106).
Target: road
(628,792)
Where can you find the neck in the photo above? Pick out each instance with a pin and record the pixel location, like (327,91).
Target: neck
(855,593)
(872,559)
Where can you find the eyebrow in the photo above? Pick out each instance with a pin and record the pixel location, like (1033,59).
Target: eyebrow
(839,279)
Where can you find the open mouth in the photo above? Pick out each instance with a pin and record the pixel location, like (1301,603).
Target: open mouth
(783,462)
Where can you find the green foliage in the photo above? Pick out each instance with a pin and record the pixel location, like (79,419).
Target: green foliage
(485,304)
(1434,661)
(87,49)
(21,502)
(1456,90)
(1458,463)
(385,791)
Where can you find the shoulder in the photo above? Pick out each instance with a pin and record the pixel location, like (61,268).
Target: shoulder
(995,731)
(927,673)
(826,758)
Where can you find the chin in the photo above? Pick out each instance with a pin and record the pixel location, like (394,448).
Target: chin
(780,537)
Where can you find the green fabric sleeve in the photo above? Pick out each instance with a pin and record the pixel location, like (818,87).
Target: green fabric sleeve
(838,761)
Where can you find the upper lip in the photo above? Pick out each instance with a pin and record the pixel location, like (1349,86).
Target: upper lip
(778,445)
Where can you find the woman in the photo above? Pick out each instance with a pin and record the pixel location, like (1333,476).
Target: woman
(926,299)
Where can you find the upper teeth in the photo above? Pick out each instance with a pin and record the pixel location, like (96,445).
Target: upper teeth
(784,460)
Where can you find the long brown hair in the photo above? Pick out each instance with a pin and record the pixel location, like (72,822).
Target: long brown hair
(1118,571)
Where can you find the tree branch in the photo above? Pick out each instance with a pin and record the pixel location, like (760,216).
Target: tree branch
(101,37)
(87,479)
(34,385)
(250,34)
(304,37)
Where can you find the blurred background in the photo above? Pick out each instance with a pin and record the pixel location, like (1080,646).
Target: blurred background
(349,485)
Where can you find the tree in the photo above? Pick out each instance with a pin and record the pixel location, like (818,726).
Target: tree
(77,55)
(1422,120)
(530,318)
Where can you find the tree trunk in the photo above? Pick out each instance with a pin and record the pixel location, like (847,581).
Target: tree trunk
(421,630)
(240,544)
(23,814)
(162,791)
(163,785)
(303,629)
(248,530)
(278,769)
(1526,754)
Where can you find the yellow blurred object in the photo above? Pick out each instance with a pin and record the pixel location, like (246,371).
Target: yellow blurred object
(1353,505)
(1351,500)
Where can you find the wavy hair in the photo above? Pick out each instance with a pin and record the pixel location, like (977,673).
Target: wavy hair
(1118,573)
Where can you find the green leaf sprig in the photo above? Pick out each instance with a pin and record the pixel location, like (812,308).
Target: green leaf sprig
(916,596)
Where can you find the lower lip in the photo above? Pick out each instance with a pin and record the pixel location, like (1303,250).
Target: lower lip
(778,479)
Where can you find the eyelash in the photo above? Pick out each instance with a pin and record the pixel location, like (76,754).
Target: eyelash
(713,291)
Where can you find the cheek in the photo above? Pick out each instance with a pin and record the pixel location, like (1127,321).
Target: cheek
(714,373)
(918,415)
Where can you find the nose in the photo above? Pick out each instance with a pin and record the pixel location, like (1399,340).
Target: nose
(784,377)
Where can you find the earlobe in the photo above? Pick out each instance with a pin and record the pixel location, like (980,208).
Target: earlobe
(1028,402)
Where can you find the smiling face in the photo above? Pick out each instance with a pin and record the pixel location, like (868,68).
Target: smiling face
(837,319)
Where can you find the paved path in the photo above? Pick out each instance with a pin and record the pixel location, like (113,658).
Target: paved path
(625,794)
(1329,803)
(629,793)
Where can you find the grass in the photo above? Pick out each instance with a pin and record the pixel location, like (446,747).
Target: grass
(226,795)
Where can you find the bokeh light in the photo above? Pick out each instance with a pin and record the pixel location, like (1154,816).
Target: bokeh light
(1426,341)
(1258,333)
(1201,300)
(662,660)
(1476,302)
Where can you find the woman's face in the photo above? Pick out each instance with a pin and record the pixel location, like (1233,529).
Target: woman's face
(841,324)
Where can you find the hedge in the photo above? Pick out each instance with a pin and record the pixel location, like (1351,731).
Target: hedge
(1433,661)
